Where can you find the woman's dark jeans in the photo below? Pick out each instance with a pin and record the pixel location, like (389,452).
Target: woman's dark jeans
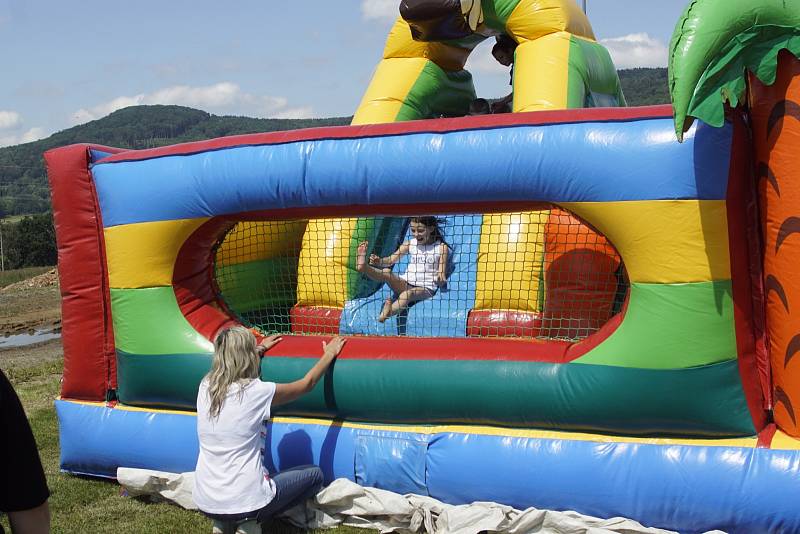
(292,487)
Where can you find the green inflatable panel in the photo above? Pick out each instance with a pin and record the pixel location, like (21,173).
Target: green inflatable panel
(703,401)
(149,321)
(686,325)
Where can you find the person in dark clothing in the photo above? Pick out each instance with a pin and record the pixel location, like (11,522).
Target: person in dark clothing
(503,52)
(479,106)
(23,487)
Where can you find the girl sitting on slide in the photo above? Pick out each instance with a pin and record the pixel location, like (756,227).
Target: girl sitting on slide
(427,266)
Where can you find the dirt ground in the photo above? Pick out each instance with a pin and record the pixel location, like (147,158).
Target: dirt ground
(26,306)
(31,304)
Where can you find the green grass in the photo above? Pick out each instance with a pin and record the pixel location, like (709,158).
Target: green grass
(12,219)
(84,504)
(16,275)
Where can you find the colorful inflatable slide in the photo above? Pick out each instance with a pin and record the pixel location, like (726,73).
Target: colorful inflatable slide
(618,331)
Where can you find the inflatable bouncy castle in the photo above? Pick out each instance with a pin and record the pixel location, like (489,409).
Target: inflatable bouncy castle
(618,330)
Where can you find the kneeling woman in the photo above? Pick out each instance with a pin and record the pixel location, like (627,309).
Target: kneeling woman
(231,482)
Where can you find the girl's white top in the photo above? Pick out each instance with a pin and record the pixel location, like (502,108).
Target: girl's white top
(423,264)
(230,477)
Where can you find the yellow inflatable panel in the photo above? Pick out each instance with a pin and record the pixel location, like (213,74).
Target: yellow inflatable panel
(400,44)
(784,442)
(532,19)
(748,442)
(143,254)
(510,256)
(324,256)
(391,83)
(664,241)
(261,240)
(548,58)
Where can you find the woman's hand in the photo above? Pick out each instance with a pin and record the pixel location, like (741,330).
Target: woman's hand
(333,347)
(267,343)
(374,259)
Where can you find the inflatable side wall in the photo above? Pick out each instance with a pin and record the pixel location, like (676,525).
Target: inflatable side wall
(165,310)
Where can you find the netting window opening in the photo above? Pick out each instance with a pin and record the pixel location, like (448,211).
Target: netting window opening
(540,274)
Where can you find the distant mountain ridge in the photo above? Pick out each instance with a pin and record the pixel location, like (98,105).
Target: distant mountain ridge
(23,180)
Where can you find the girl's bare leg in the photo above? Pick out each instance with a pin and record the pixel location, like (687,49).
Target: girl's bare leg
(386,312)
(361,257)
(397,284)
(406,298)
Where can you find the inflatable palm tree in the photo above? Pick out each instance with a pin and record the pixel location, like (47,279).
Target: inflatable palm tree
(728,54)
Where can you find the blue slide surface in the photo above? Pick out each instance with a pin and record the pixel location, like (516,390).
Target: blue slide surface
(444,315)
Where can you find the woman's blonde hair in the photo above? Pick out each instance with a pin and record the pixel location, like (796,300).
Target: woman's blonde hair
(235,360)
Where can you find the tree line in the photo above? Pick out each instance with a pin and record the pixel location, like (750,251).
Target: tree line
(31,242)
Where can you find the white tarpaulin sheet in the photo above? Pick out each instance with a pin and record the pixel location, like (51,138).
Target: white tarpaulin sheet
(346,503)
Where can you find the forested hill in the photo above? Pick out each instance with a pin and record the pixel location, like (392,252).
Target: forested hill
(645,87)
(23,182)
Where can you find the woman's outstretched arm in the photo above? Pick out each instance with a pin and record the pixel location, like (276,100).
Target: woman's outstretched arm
(285,393)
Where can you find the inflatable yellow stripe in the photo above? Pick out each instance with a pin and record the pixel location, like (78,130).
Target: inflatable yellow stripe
(783,441)
(399,44)
(749,442)
(664,241)
(324,258)
(532,19)
(143,254)
(548,58)
(262,240)
(388,90)
(510,257)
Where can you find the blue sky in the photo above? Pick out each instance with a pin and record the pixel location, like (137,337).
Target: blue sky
(65,63)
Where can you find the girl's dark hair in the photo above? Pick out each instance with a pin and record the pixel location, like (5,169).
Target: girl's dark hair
(431,222)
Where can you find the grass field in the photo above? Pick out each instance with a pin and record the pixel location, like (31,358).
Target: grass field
(78,504)
(83,504)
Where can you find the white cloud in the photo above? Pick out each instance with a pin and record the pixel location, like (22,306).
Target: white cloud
(9,119)
(34,134)
(482,60)
(221,98)
(636,50)
(380,9)
(305,112)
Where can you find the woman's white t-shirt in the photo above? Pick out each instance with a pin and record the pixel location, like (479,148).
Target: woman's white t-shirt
(423,264)
(230,477)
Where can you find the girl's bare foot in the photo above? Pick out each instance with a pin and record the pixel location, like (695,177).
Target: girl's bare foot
(361,257)
(386,312)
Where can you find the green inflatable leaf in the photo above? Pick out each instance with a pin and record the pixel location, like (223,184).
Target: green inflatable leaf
(715,43)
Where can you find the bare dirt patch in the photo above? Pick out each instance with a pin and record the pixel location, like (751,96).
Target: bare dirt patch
(18,358)
(30,304)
